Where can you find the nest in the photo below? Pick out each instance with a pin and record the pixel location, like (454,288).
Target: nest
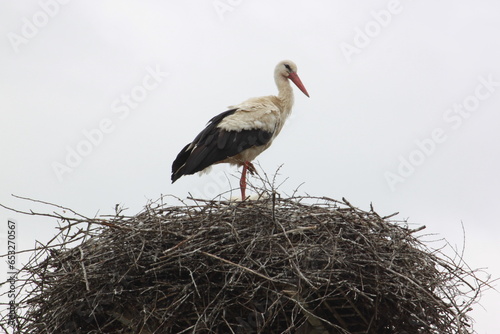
(272,265)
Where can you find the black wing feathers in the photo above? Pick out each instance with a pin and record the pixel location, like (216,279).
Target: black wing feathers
(180,160)
(214,144)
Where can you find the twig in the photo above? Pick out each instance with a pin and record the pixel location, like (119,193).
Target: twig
(83,269)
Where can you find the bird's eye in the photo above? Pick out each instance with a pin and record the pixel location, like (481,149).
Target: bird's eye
(288,67)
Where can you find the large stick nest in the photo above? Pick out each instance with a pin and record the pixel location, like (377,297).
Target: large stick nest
(273,265)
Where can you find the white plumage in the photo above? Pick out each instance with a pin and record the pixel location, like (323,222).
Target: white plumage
(238,135)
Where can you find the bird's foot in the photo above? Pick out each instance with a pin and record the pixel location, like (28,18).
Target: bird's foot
(251,168)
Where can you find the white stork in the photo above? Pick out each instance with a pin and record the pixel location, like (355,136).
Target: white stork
(239,135)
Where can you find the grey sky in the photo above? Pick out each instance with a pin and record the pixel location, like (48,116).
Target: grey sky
(404,107)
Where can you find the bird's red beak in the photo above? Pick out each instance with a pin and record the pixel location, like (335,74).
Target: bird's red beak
(296,80)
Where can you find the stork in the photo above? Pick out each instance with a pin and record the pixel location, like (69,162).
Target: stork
(237,136)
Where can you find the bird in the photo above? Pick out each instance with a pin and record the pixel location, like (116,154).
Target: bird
(238,135)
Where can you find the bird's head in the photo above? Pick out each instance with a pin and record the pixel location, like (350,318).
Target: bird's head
(288,69)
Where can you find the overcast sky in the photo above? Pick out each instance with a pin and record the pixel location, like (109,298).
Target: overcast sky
(98,97)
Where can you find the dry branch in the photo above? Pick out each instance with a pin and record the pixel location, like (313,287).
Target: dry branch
(274,265)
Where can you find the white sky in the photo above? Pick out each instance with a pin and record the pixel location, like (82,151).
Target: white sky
(67,67)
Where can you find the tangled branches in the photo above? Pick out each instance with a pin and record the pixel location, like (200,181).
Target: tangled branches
(273,265)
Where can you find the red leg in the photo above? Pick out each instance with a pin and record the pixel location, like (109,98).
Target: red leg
(243,180)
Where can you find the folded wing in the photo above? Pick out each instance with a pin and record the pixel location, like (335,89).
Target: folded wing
(225,136)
